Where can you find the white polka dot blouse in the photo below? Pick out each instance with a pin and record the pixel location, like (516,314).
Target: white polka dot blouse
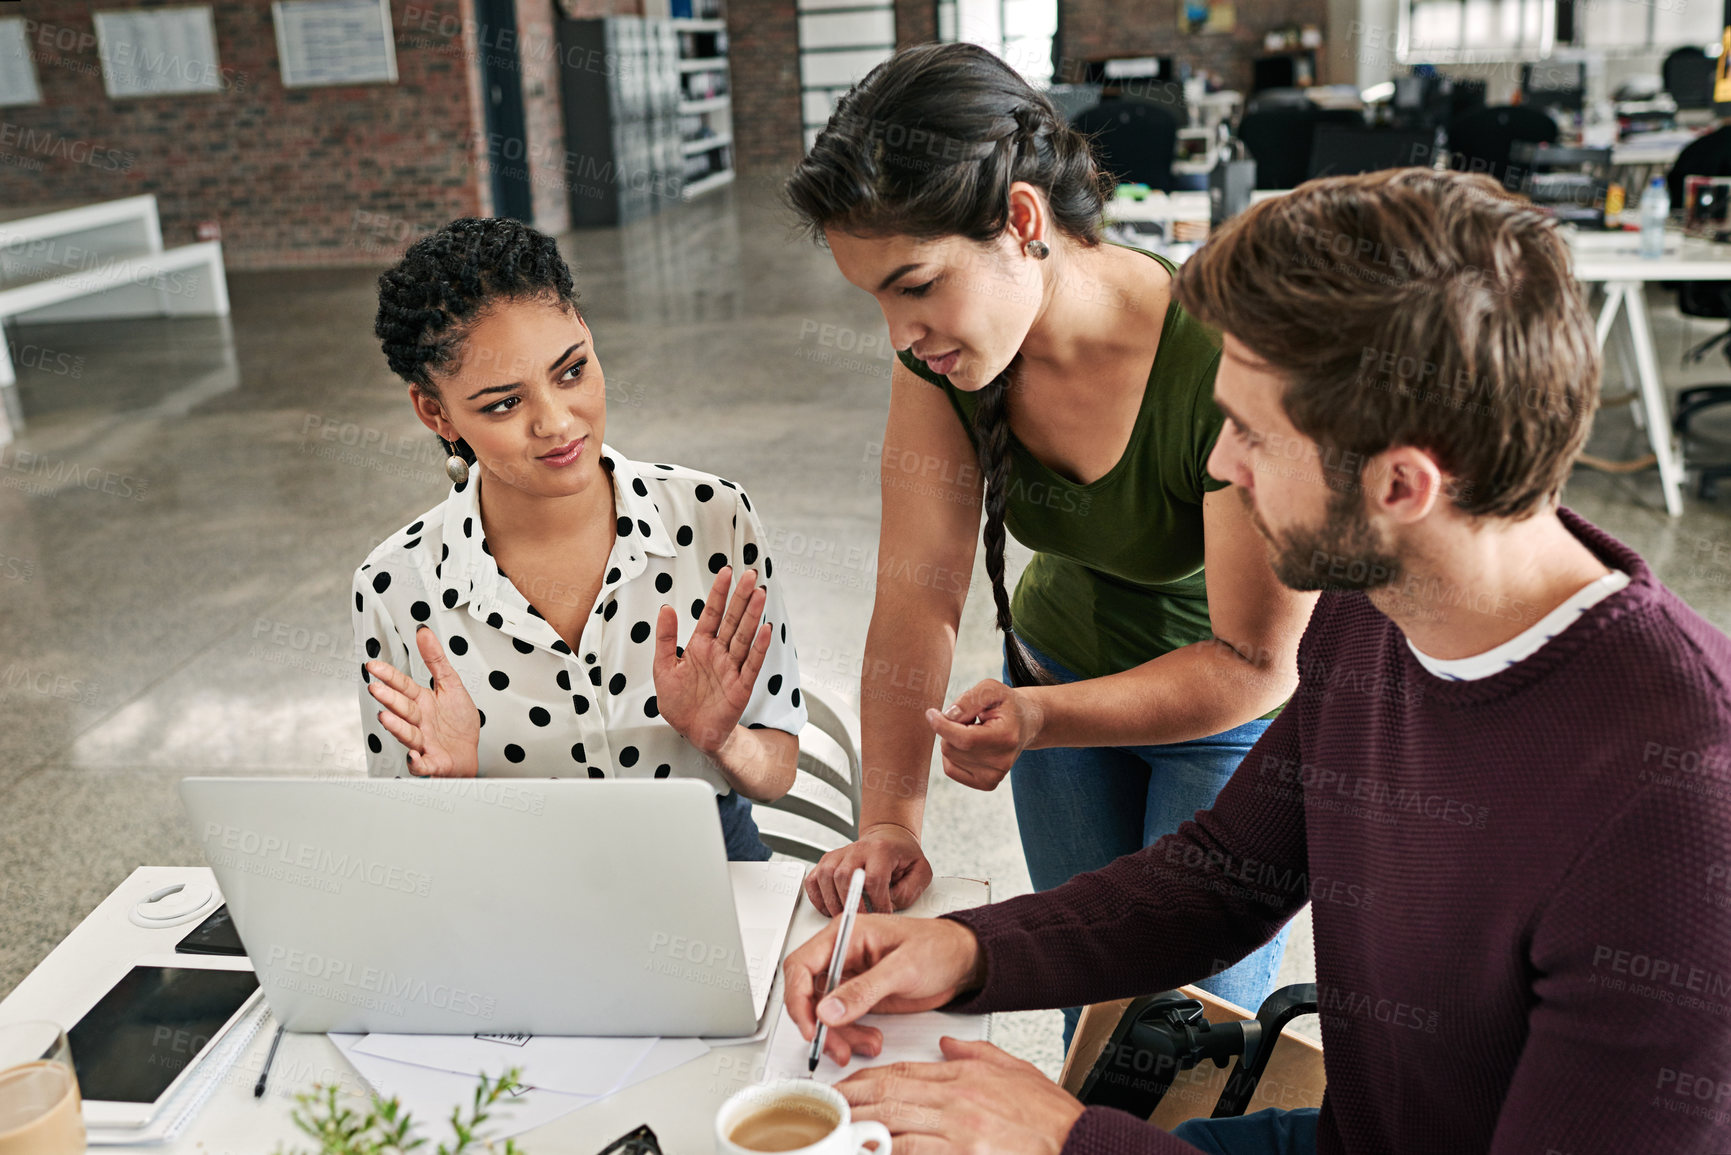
(547,711)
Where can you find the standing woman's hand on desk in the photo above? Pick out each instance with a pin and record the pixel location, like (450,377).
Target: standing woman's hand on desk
(894,966)
(439,725)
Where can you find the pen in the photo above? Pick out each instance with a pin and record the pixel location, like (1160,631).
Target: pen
(838,957)
(270,1056)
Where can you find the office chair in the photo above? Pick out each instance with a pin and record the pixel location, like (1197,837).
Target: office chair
(821,811)
(1481,141)
(1689,75)
(1709,155)
(1145,1056)
(1281,139)
(1134,140)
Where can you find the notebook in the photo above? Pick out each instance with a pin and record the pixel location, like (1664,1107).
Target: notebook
(907,1038)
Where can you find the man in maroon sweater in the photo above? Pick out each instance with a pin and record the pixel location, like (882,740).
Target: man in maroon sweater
(1504,783)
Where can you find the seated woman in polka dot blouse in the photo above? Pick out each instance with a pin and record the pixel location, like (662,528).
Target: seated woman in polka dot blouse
(565,610)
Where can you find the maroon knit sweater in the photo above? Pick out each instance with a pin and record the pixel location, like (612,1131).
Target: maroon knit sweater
(1521,889)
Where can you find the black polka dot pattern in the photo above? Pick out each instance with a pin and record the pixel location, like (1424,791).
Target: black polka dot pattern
(672,537)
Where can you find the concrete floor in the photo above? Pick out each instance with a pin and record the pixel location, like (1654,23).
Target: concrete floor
(177,534)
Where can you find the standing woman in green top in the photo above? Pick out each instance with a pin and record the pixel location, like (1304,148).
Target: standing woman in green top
(1051,378)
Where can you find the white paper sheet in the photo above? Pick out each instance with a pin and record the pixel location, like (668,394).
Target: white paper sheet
(574,1066)
(764,894)
(907,1038)
(429,1096)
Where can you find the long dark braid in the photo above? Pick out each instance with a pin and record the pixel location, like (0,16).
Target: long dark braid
(992,443)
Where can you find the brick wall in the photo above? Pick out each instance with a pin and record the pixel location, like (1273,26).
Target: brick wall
(307,176)
(1094,29)
(916,22)
(763,62)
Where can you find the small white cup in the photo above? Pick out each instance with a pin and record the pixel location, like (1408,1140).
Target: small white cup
(848,1138)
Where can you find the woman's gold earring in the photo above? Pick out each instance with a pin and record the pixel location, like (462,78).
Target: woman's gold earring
(455,467)
(1037,249)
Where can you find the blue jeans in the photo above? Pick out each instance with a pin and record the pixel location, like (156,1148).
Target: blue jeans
(739,829)
(1079,808)
(1270,1132)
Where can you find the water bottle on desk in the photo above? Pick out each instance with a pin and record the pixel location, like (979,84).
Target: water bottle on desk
(1655,208)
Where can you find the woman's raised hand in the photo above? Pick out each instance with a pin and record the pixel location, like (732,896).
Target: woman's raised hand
(703,690)
(439,725)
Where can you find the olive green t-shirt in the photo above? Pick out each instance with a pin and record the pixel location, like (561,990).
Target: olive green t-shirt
(1116,576)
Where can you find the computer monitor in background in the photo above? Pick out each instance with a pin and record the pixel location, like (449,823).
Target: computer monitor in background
(1560,84)
(1340,150)
(1128,70)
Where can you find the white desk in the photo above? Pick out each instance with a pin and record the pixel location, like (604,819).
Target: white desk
(1610,259)
(679,1105)
(1614,261)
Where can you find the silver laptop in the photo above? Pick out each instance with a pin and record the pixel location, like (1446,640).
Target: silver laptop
(489,905)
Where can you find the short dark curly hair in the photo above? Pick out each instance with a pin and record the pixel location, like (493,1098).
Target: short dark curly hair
(448,279)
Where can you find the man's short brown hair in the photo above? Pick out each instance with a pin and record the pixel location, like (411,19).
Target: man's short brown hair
(1411,307)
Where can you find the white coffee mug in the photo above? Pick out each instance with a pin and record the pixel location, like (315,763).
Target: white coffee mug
(847,1137)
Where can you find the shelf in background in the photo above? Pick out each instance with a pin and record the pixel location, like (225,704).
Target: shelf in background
(705,143)
(687,107)
(713,181)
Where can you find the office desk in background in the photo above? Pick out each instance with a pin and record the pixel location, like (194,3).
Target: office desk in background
(679,1105)
(1609,259)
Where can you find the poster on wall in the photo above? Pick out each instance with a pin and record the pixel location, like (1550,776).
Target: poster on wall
(335,42)
(17,70)
(158,51)
(1206,16)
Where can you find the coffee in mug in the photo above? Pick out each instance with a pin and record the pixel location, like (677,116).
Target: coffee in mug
(785,1125)
(794,1115)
